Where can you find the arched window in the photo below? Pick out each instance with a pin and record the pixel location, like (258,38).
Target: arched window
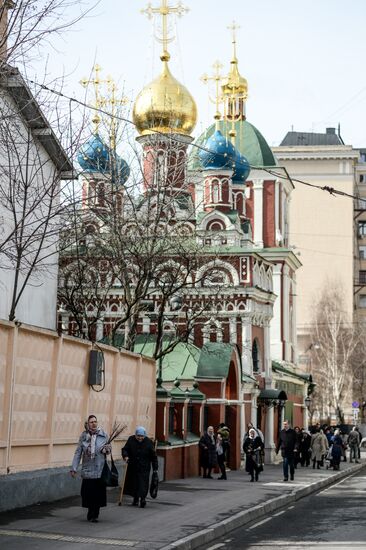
(255,357)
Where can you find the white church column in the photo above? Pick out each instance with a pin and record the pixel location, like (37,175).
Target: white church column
(258,213)
(268,436)
(232,328)
(276,323)
(286,313)
(267,353)
(246,338)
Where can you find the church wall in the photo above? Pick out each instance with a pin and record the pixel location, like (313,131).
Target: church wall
(249,205)
(269,232)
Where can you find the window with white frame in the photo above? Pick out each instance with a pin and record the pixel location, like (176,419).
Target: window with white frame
(362,252)
(362,229)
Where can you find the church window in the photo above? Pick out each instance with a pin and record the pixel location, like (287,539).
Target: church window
(255,356)
(362,228)
(215,191)
(215,226)
(207,241)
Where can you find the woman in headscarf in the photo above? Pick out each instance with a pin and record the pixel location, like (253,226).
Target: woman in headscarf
(92,449)
(208,455)
(140,455)
(253,446)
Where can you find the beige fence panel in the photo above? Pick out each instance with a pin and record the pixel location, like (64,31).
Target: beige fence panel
(45,398)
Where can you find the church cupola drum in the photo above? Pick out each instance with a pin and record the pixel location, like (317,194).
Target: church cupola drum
(165,115)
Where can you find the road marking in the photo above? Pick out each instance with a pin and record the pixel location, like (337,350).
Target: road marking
(259,523)
(279,513)
(65,538)
(290,507)
(216,546)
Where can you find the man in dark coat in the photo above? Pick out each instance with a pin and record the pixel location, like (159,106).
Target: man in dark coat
(140,455)
(208,455)
(287,442)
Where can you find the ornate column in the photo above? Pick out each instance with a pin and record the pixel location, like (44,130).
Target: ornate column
(258,213)
(246,338)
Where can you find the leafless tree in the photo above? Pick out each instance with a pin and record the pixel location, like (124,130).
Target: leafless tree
(27,25)
(144,233)
(337,341)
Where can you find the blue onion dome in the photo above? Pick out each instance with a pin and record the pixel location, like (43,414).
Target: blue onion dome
(94,155)
(122,171)
(241,168)
(218,153)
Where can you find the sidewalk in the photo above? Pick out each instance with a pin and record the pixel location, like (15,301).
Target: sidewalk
(186,514)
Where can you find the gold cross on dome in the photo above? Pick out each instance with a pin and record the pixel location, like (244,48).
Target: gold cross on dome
(215,77)
(164,10)
(99,101)
(233,28)
(114,102)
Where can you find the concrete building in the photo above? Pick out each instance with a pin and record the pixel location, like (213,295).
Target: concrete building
(322,229)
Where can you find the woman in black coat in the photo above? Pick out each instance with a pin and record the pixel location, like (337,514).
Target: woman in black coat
(253,446)
(140,455)
(208,455)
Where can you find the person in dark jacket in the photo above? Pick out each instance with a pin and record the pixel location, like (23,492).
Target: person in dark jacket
(304,449)
(253,447)
(208,455)
(287,442)
(336,450)
(140,455)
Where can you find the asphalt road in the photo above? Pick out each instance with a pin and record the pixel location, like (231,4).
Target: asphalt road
(334,518)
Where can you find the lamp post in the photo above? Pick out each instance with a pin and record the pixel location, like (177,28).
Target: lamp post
(307,402)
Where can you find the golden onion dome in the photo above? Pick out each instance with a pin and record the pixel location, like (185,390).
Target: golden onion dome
(165,105)
(234,83)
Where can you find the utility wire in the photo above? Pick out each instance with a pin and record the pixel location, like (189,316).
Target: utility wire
(331,190)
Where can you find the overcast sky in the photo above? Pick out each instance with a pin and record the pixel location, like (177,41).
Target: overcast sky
(304,59)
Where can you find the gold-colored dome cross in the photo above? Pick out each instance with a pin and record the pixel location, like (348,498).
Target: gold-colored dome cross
(217,78)
(114,102)
(233,28)
(164,10)
(99,101)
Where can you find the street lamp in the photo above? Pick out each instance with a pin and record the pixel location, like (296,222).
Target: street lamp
(307,402)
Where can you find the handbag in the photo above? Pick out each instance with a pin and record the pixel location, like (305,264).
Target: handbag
(154,484)
(110,474)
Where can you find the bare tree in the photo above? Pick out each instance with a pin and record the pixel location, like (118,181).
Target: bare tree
(145,234)
(337,340)
(26,25)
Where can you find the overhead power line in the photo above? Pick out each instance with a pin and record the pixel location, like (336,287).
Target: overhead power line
(273,172)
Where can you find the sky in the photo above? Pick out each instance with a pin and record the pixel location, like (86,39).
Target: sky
(304,59)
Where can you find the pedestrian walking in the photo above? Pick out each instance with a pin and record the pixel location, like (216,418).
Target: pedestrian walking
(304,449)
(353,443)
(336,449)
(224,431)
(297,446)
(208,455)
(92,449)
(221,455)
(287,442)
(140,455)
(253,447)
(319,447)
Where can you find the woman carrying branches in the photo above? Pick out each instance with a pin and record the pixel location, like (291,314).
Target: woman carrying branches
(92,449)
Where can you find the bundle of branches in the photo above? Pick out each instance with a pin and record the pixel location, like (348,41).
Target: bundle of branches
(116,430)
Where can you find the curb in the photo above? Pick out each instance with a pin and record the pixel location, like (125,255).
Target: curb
(240,519)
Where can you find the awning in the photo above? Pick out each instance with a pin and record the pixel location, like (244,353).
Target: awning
(271,394)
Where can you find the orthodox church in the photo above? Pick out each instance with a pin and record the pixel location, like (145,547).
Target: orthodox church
(238,363)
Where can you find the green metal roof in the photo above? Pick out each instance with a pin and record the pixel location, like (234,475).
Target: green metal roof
(180,363)
(249,141)
(214,361)
(303,376)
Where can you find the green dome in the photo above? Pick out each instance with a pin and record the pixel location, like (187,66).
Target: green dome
(249,142)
